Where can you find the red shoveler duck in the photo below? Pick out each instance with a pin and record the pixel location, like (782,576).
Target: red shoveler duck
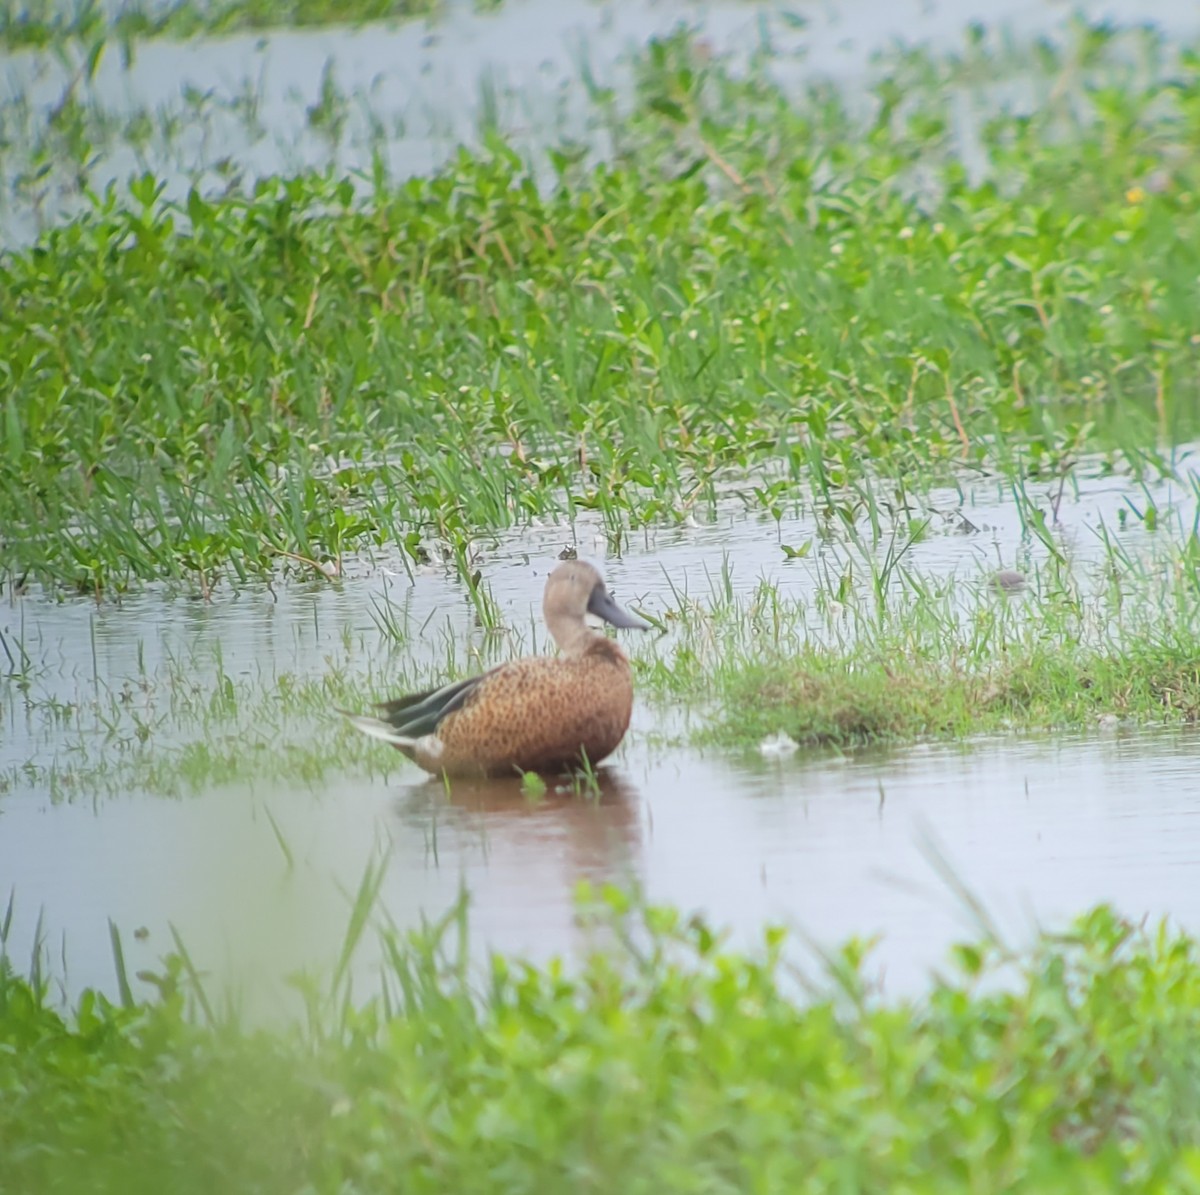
(536,714)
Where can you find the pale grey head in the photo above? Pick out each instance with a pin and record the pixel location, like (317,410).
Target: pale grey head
(573,590)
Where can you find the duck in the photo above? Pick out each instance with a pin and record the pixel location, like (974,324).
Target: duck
(534,714)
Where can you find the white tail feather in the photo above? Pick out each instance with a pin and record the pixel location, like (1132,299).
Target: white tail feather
(379,729)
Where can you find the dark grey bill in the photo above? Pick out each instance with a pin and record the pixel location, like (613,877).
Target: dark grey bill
(602,606)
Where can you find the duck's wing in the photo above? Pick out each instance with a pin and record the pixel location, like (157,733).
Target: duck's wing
(419,713)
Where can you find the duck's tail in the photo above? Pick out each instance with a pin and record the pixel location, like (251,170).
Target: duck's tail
(376,728)
(410,723)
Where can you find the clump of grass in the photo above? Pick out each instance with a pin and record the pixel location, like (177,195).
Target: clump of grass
(533,787)
(109,1080)
(819,699)
(872,658)
(823,698)
(673,1063)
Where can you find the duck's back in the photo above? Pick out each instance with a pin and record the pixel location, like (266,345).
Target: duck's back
(541,712)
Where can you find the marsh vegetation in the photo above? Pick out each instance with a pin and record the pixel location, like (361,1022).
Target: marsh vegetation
(811,366)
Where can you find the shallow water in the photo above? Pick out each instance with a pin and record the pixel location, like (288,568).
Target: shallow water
(1038,828)
(78,650)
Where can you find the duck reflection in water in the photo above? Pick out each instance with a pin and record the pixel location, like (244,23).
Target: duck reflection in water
(591,825)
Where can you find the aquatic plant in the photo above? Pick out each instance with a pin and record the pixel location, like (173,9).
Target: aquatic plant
(753,296)
(48,24)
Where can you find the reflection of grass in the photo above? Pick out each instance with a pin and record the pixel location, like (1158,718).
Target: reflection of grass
(754,295)
(44,23)
(671,1064)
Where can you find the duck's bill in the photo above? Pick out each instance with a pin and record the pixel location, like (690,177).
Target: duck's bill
(602,606)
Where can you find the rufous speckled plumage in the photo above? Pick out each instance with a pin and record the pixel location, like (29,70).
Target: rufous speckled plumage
(540,713)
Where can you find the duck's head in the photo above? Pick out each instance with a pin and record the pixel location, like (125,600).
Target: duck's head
(574,589)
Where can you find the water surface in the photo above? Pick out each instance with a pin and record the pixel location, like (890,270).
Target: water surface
(1038,829)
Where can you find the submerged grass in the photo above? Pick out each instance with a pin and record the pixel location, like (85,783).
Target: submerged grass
(672,1064)
(755,292)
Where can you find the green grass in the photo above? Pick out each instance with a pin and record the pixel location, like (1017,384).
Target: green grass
(752,295)
(45,24)
(883,653)
(673,1064)
(824,699)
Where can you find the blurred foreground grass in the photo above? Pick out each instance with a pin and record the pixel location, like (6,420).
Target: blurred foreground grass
(674,1064)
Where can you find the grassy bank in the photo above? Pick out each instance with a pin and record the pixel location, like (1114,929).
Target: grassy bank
(755,295)
(898,656)
(821,698)
(679,1066)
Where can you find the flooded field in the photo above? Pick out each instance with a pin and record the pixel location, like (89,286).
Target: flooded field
(258,878)
(855,342)
(105,705)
